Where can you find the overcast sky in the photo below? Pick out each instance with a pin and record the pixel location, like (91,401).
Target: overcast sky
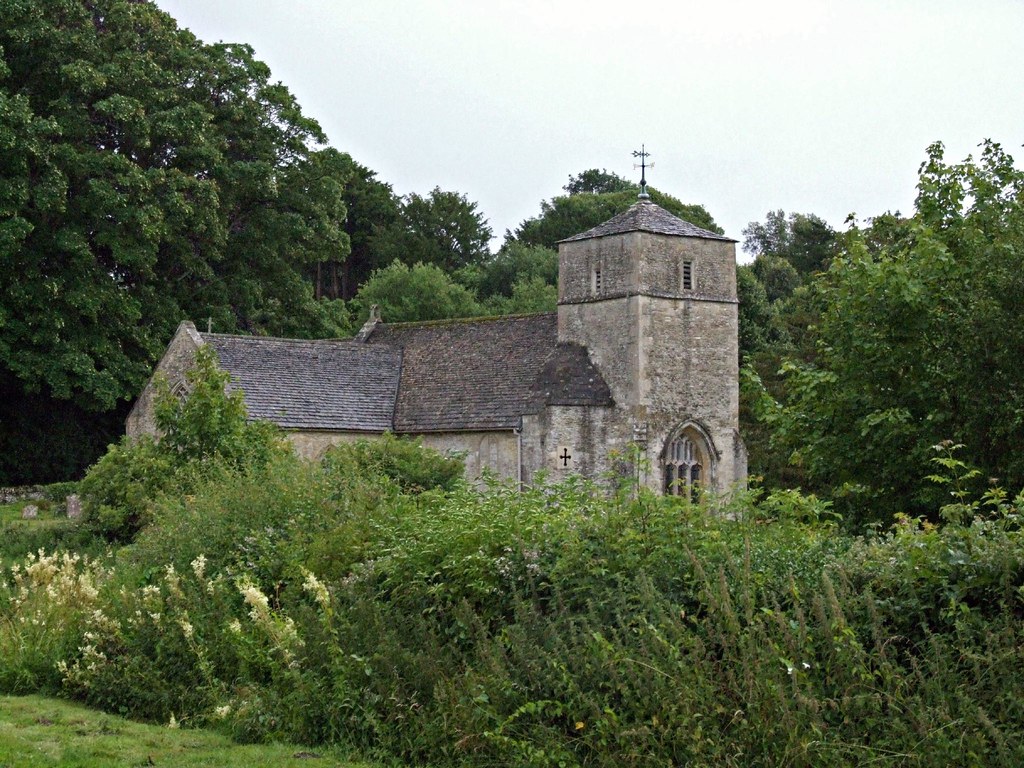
(815,107)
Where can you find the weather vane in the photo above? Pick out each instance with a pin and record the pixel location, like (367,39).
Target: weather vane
(643,155)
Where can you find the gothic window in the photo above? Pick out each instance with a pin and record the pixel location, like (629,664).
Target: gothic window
(687,276)
(181,390)
(683,468)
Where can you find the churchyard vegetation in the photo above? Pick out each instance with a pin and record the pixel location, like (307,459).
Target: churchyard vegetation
(899,336)
(860,604)
(377,602)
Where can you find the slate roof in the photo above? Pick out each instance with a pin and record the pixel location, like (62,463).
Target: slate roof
(645,216)
(486,373)
(327,384)
(449,375)
(569,378)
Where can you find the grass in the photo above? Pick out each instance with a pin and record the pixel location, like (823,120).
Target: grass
(11,512)
(37,732)
(18,536)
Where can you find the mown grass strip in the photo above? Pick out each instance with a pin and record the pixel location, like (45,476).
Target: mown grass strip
(38,732)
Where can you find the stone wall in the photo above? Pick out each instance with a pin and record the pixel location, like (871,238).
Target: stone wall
(496,452)
(564,439)
(179,357)
(16,493)
(312,444)
(669,354)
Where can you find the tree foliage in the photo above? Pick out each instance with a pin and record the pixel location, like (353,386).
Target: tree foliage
(805,241)
(597,182)
(514,263)
(593,198)
(420,292)
(442,228)
(207,428)
(915,343)
(372,210)
(146,177)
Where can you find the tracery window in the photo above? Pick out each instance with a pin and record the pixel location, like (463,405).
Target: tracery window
(683,470)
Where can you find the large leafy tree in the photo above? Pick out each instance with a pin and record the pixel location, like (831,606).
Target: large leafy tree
(917,343)
(592,198)
(145,178)
(441,228)
(805,241)
(373,209)
(515,263)
(420,292)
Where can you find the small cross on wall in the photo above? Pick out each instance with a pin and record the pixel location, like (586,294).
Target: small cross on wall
(563,458)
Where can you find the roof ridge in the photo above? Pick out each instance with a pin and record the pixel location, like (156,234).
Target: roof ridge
(465,320)
(344,343)
(257,337)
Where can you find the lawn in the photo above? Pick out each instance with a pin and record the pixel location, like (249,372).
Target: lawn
(37,732)
(11,512)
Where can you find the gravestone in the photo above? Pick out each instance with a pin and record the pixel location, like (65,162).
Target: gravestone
(74,506)
(29,512)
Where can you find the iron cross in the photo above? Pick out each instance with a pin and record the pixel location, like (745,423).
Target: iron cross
(565,457)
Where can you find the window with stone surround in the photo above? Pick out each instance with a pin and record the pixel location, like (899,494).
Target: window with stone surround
(686,463)
(596,281)
(687,276)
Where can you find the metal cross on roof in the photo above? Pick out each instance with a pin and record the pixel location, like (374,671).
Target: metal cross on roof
(643,155)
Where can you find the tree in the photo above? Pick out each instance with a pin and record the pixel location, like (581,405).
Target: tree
(514,263)
(755,311)
(778,277)
(913,344)
(580,210)
(805,241)
(420,292)
(443,228)
(597,182)
(144,178)
(372,209)
(528,296)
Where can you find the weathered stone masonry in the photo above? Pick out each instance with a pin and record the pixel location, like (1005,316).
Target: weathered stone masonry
(642,351)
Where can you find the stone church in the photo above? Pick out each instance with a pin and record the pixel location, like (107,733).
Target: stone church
(641,354)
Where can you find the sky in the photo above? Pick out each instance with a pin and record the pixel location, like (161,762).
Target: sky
(812,107)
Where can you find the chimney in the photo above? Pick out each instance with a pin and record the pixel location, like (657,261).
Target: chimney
(371,322)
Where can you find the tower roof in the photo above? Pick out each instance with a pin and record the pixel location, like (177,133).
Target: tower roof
(645,216)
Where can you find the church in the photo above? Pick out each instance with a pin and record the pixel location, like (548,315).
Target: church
(637,371)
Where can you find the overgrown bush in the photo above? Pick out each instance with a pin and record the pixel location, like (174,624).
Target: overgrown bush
(402,460)
(553,626)
(205,430)
(119,488)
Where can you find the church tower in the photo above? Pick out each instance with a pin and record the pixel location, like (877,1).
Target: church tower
(653,300)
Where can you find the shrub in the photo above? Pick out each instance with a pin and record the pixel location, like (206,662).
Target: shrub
(210,422)
(119,488)
(406,462)
(554,626)
(45,603)
(204,430)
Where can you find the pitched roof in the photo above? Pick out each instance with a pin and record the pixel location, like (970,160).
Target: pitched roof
(645,216)
(484,373)
(327,384)
(569,378)
(449,375)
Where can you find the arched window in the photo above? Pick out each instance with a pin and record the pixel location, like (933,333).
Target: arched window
(688,461)
(682,468)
